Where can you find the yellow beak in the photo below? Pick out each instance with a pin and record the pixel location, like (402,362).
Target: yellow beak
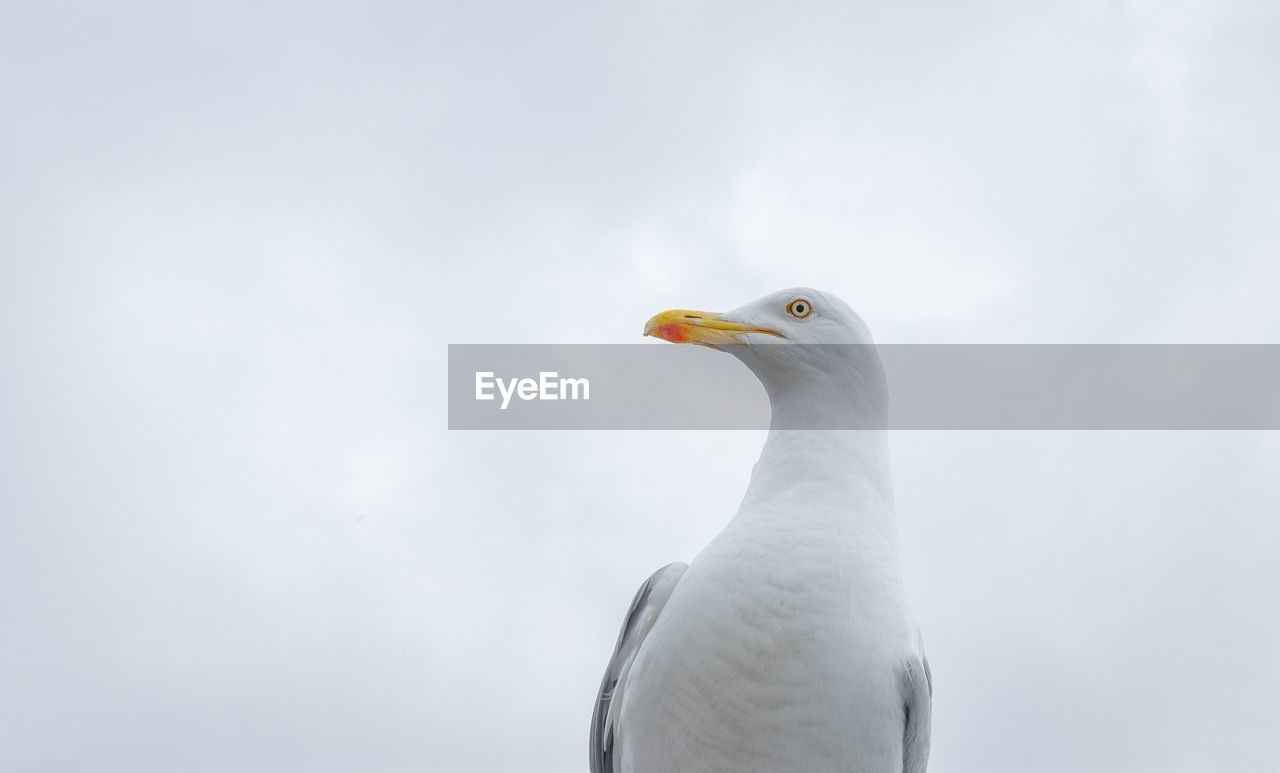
(699,327)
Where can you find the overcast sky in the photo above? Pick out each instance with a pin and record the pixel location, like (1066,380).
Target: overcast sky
(235,239)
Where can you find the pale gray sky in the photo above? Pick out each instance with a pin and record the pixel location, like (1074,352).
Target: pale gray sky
(235,239)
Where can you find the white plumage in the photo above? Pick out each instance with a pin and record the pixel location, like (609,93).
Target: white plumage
(787,645)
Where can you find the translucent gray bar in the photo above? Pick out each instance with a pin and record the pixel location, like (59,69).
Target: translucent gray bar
(642,386)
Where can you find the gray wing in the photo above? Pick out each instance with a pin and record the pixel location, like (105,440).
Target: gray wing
(644,610)
(916,682)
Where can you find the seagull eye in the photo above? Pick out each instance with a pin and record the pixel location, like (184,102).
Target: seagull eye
(799,308)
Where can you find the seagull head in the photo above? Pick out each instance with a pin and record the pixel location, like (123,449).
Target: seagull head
(808,348)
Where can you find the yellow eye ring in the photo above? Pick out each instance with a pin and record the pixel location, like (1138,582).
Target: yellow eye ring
(800,308)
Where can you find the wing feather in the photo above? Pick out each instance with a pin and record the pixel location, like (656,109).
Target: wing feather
(641,615)
(917,693)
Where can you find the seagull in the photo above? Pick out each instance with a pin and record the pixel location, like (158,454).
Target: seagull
(787,645)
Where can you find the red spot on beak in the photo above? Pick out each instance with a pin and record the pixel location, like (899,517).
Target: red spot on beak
(673,332)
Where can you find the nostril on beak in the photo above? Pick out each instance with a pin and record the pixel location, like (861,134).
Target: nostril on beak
(693,316)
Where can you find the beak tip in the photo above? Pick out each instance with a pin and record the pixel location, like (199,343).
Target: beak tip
(679,326)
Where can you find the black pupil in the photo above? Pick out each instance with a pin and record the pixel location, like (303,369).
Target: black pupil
(799,308)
